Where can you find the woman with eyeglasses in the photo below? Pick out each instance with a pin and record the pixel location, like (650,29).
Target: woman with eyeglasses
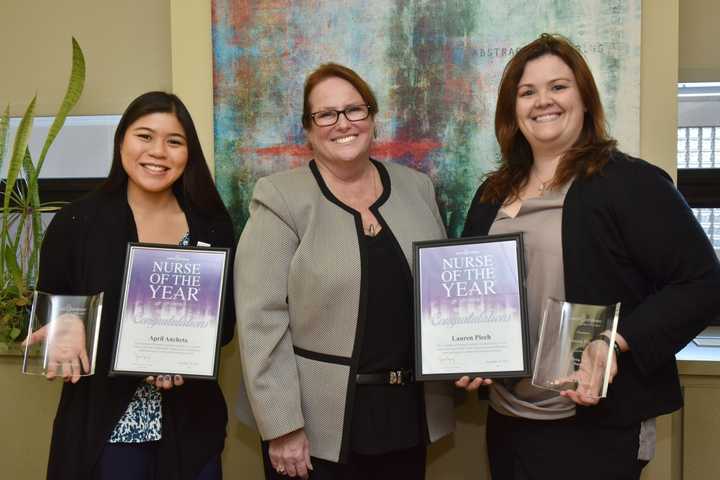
(325,303)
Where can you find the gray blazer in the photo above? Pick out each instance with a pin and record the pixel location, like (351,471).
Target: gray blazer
(299,293)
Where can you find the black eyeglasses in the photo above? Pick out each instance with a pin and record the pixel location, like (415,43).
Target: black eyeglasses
(354,113)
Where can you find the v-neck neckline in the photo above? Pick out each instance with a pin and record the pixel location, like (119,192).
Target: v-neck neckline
(384,180)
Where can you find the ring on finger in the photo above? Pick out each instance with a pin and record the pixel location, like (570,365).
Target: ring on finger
(280,469)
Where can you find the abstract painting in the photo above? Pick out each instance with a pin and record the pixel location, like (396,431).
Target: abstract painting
(434,65)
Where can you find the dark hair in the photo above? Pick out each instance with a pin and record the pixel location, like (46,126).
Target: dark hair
(195,187)
(589,153)
(328,70)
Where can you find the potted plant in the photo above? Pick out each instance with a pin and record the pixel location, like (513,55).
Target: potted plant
(21,227)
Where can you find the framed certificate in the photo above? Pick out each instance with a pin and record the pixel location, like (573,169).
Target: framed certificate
(171,311)
(471,308)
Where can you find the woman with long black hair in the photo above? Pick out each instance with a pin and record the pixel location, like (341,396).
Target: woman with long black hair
(160,191)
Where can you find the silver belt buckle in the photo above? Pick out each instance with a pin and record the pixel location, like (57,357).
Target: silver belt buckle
(396,377)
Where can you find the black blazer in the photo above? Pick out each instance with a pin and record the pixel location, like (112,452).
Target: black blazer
(83,252)
(628,236)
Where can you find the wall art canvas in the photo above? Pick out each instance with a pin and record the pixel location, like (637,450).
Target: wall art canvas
(434,65)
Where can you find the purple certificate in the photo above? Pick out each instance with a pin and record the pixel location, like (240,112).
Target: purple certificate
(170,311)
(470,308)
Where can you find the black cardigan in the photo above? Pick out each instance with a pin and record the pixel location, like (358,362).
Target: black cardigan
(629,236)
(83,252)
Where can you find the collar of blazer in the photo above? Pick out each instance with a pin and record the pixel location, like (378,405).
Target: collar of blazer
(384,179)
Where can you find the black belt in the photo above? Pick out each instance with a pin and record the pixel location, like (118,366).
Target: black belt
(392,377)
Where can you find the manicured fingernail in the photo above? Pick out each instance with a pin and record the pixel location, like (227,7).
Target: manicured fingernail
(177,378)
(167,378)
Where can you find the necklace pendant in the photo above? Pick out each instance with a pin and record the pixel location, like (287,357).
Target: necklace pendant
(542,188)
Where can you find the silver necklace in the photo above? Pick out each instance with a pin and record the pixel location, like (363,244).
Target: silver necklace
(373,229)
(543,187)
(370,229)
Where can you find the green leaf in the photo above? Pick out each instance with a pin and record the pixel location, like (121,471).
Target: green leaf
(4,129)
(20,145)
(72,95)
(49,207)
(14,333)
(21,206)
(12,266)
(21,141)
(29,168)
(10,291)
(34,204)
(19,230)
(21,301)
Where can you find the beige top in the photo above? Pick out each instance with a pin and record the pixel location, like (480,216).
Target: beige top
(540,220)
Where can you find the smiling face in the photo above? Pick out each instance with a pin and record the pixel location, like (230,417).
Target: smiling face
(548,108)
(154,152)
(345,141)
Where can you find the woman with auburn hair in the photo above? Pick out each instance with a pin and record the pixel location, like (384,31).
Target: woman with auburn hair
(600,227)
(324,301)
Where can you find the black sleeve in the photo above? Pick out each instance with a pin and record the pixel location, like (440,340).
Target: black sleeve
(665,242)
(477,221)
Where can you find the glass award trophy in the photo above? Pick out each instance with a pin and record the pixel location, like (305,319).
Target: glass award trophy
(575,348)
(62,335)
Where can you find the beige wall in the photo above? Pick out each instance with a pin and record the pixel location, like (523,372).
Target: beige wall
(192,66)
(126,45)
(129,50)
(658,84)
(699,35)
